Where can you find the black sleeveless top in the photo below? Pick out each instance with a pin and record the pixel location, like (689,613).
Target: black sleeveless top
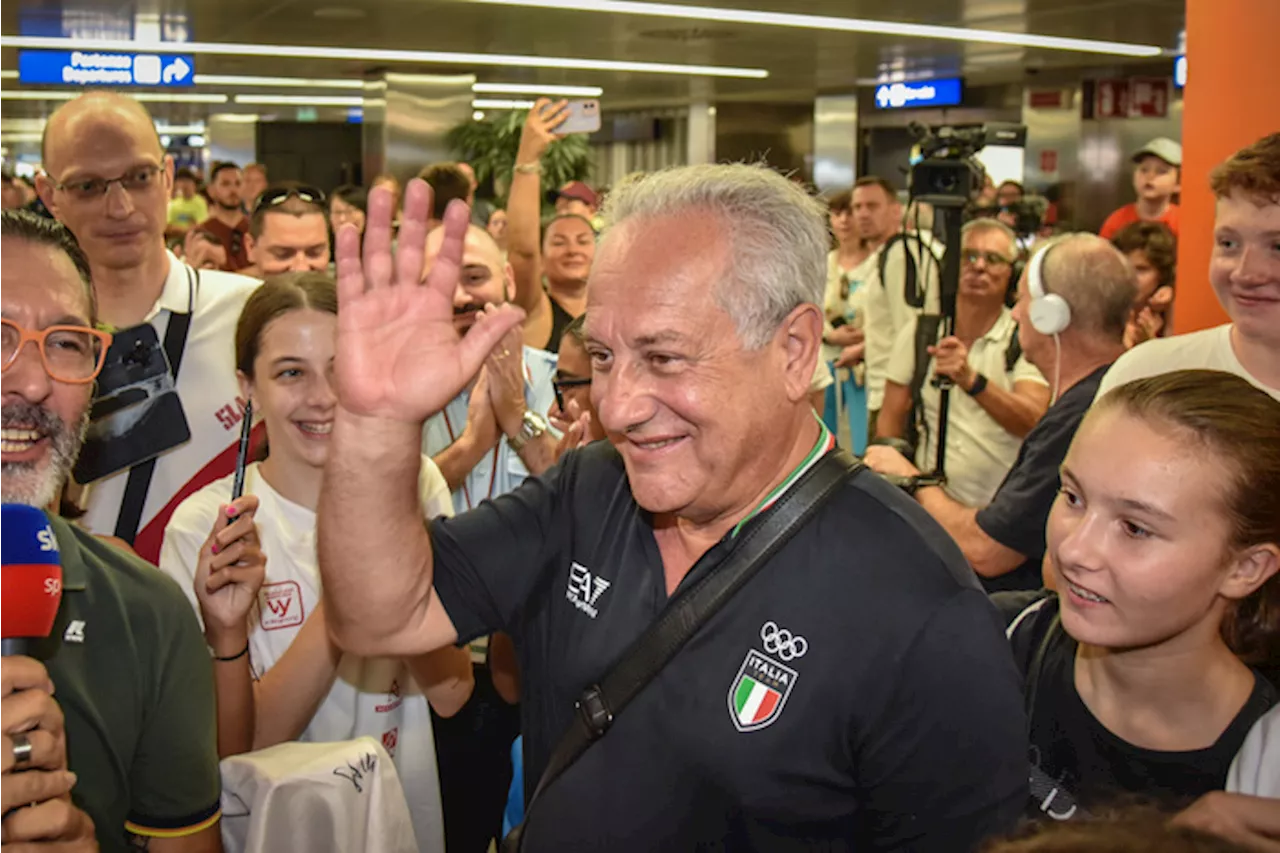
(560,320)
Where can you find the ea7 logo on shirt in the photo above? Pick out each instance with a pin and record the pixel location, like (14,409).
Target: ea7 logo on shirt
(585,589)
(280,605)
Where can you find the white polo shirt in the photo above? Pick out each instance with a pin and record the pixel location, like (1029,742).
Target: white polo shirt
(210,398)
(375,697)
(501,470)
(1209,349)
(979,451)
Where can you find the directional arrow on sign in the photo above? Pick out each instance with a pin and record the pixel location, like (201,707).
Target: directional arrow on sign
(176,71)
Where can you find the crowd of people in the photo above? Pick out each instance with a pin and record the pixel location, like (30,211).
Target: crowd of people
(397,464)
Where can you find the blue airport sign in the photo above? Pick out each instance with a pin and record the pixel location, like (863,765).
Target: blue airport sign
(105,68)
(925,93)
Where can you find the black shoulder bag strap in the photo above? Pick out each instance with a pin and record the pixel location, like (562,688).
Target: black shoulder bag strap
(139,482)
(1052,798)
(602,702)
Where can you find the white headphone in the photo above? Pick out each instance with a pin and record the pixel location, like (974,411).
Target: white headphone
(1050,313)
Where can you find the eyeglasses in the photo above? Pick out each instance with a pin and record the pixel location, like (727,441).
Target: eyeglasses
(71,354)
(558,386)
(969,257)
(135,180)
(274,197)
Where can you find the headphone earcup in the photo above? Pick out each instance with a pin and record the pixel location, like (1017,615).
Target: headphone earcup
(1050,314)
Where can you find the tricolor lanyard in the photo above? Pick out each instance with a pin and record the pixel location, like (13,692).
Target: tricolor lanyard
(826,441)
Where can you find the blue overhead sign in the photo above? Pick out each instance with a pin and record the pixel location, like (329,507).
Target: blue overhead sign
(104,68)
(926,93)
(1180,71)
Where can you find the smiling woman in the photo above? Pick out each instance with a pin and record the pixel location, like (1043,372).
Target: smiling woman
(1164,546)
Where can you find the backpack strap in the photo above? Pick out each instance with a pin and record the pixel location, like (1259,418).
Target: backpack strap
(1030,634)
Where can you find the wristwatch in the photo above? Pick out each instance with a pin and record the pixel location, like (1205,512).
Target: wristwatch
(979,385)
(532,425)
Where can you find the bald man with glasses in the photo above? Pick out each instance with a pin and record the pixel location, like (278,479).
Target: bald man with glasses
(108,180)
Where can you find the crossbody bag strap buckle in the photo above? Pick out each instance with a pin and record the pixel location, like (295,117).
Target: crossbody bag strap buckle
(594,712)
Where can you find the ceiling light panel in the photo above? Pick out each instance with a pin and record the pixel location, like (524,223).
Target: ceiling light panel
(284,82)
(302,100)
(285,51)
(535,89)
(499,104)
(828,22)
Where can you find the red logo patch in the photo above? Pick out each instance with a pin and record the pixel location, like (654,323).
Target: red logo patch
(280,605)
(389,741)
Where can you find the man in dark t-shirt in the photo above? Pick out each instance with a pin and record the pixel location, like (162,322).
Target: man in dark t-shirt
(1086,286)
(855,694)
(226,221)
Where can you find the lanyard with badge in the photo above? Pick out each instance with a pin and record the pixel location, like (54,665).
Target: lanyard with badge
(136,413)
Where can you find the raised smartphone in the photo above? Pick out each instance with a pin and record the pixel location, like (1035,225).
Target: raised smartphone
(584,117)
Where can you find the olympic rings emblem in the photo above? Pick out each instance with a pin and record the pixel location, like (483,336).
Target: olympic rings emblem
(781,642)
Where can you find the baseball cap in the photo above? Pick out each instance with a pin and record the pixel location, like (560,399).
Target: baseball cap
(578,190)
(1164,148)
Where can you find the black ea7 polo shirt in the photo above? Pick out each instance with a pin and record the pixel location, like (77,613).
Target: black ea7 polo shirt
(132,675)
(857,694)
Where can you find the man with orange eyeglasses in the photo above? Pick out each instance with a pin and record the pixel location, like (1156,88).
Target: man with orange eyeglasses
(133,713)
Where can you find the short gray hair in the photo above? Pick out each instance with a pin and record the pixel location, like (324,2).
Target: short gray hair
(986,223)
(777,235)
(1095,279)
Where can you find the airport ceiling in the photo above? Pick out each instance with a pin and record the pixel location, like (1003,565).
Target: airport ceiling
(801,61)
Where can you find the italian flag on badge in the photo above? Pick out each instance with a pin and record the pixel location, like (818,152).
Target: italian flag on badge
(759,692)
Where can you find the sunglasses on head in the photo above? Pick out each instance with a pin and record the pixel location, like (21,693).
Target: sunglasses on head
(279,195)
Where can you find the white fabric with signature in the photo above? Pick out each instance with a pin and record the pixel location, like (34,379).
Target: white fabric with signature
(342,797)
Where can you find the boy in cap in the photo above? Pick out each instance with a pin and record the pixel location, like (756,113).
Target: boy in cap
(1156,179)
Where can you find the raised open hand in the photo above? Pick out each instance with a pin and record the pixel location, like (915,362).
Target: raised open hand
(399,357)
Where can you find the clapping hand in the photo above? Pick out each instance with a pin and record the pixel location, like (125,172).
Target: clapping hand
(399,357)
(505,367)
(577,429)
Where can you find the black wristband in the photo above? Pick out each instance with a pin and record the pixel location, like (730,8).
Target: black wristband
(979,385)
(237,656)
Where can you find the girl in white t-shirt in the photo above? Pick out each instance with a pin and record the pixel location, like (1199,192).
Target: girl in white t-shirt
(277,674)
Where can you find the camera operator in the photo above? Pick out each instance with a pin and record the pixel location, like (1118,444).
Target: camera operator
(1087,289)
(1004,396)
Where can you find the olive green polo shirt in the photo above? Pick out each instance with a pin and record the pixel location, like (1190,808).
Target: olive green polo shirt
(132,675)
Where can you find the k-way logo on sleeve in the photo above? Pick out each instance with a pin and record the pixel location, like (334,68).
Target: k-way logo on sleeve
(760,691)
(585,589)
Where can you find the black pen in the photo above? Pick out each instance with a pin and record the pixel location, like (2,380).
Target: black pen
(242,452)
